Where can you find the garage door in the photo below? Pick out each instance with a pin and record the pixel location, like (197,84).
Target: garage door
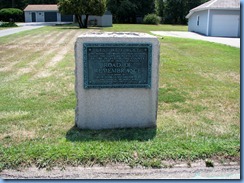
(33,16)
(225,25)
(50,16)
(66,18)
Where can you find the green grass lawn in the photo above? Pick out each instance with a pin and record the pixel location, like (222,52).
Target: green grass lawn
(198,104)
(145,28)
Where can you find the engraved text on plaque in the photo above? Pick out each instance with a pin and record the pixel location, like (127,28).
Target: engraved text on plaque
(117,65)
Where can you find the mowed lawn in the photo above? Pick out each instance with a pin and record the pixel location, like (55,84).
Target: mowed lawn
(198,104)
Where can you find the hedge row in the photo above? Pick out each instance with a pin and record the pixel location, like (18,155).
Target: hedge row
(151,19)
(11,15)
(8,24)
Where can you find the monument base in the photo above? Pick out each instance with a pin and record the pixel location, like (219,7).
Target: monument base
(116,80)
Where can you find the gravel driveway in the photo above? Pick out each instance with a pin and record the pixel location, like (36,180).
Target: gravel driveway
(234,42)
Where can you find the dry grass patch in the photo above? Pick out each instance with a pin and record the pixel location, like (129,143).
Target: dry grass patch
(18,135)
(66,44)
(223,76)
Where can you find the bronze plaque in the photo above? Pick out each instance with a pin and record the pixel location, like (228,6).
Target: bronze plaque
(117,65)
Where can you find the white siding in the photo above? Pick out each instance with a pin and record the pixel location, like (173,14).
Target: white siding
(225,23)
(58,17)
(107,21)
(28,16)
(198,26)
(40,16)
(92,19)
(101,21)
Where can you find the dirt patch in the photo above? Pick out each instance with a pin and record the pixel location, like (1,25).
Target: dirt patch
(198,170)
(24,71)
(40,45)
(42,74)
(9,55)
(19,135)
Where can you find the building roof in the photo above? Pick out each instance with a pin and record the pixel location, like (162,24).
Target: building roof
(217,4)
(41,7)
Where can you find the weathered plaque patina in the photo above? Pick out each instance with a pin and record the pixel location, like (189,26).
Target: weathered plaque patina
(117,65)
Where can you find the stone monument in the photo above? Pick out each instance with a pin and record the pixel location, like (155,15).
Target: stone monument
(116,80)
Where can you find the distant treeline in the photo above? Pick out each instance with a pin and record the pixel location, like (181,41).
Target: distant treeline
(130,11)
(133,11)
(21,4)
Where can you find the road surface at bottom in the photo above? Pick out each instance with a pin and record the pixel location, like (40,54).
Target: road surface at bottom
(124,172)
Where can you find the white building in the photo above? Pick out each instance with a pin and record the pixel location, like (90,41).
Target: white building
(101,21)
(216,18)
(50,13)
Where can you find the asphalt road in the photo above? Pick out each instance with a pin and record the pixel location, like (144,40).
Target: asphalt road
(27,26)
(10,31)
(234,42)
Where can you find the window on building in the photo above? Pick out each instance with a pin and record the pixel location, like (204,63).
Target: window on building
(198,20)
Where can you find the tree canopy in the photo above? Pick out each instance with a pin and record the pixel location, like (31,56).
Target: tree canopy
(21,4)
(127,11)
(82,7)
(170,11)
(174,11)
(123,11)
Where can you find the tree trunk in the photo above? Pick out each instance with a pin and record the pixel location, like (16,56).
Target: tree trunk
(79,20)
(86,22)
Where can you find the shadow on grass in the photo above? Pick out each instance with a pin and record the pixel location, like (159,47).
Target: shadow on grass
(77,27)
(125,134)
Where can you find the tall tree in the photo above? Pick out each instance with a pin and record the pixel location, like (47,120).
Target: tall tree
(40,1)
(194,3)
(126,11)
(159,8)
(176,10)
(20,4)
(145,7)
(82,7)
(13,3)
(123,10)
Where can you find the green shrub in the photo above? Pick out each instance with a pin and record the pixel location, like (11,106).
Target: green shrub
(151,19)
(11,15)
(8,24)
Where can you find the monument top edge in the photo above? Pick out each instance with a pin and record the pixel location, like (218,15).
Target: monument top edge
(116,35)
